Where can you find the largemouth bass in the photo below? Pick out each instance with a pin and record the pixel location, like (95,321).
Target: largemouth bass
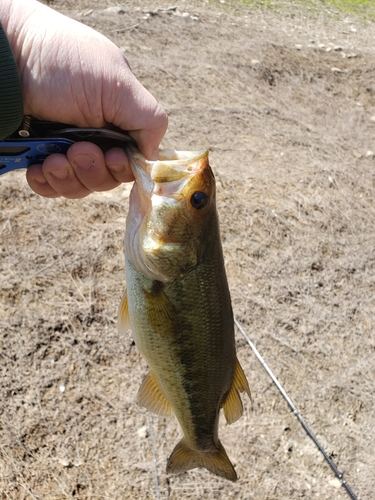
(178,305)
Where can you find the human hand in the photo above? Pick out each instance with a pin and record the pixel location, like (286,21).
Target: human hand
(72,74)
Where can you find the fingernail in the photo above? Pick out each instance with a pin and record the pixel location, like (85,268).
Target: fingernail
(116,167)
(40,180)
(60,174)
(83,161)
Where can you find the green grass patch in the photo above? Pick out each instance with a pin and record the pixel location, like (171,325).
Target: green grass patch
(364,9)
(354,7)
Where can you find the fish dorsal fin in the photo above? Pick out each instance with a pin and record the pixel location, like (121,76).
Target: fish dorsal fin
(216,461)
(151,397)
(233,405)
(123,320)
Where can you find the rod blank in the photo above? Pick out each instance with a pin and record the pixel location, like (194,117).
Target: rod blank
(297,414)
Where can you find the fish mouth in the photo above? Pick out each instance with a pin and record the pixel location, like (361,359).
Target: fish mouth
(164,178)
(171,167)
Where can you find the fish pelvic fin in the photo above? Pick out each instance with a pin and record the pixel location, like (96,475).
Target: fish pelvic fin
(151,397)
(233,405)
(123,320)
(184,458)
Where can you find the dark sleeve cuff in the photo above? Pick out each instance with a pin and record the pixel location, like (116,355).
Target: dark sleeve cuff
(11,103)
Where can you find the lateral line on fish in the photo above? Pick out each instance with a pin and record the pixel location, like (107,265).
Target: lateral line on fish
(292,406)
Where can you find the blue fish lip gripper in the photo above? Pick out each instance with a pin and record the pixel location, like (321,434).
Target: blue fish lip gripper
(15,154)
(36,140)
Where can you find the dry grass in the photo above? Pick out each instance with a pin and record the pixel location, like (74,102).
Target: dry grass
(289,138)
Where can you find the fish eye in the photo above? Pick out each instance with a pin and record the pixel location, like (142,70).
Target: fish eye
(199,200)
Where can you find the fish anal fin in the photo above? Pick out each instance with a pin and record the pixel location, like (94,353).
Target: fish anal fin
(151,397)
(123,320)
(184,458)
(233,405)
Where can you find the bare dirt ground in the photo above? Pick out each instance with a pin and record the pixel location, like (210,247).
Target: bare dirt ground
(285,99)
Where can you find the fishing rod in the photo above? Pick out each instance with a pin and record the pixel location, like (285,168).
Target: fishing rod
(151,424)
(297,414)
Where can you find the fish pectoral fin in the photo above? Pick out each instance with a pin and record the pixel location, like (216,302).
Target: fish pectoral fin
(161,312)
(184,458)
(123,320)
(151,397)
(233,405)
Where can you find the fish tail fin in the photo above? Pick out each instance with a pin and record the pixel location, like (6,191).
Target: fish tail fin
(184,458)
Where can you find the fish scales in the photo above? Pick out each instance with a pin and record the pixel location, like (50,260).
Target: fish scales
(182,323)
(191,344)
